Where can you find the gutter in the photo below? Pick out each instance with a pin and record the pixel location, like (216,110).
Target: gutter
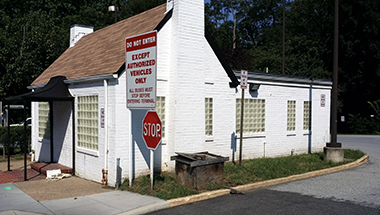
(81,80)
(260,76)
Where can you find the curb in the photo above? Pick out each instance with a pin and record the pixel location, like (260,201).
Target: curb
(221,192)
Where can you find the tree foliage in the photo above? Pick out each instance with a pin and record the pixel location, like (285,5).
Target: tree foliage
(308,43)
(34,33)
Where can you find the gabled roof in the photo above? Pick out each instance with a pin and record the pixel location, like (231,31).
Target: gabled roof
(103,51)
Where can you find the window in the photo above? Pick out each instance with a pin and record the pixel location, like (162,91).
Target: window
(208,116)
(44,120)
(306,115)
(254,115)
(291,119)
(88,122)
(160,109)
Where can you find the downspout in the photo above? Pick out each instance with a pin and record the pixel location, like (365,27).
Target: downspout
(51,131)
(105,170)
(310,116)
(73,133)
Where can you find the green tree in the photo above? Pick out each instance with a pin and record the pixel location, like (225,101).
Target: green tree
(34,33)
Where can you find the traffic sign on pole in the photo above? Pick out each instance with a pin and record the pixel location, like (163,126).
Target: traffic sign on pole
(243,79)
(140,67)
(152,133)
(152,130)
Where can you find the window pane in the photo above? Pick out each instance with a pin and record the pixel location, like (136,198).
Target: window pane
(208,116)
(254,115)
(306,115)
(44,120)
(291,116)
(88,122)
(160,109)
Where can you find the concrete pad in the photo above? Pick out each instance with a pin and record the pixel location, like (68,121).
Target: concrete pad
(148,208)
(124,200)
(90,209)
(83,204)
(74,202)
(12,198)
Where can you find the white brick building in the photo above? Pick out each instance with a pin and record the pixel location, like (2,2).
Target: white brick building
(190,76)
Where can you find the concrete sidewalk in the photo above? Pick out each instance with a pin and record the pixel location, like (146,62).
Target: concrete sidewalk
(15,201)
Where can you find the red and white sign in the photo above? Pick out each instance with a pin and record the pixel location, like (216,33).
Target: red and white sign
(323,100)
(152,130)
(102,117)
(243,79)
(141,67)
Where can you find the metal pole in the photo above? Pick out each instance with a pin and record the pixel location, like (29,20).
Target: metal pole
(131,153)
(334,105)
(118,173)
(241,126)
(25,144)
(51,132)
(73,134)
(151,168)
(1,114)
(283,37)
(9,138)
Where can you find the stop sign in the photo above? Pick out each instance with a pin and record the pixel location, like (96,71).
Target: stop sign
(152,130)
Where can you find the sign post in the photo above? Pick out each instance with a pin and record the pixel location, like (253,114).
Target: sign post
(152,133)
(140,67)
(243,84)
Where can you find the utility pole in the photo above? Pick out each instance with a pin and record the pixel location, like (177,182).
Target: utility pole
(283,37)
(333,150)
(334,102)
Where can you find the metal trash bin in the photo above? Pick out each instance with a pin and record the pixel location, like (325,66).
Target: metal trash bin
(198,170)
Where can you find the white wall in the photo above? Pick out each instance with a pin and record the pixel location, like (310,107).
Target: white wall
(276,140)
(188,71)
(89,163)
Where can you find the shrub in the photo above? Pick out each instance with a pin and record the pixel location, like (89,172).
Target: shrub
(16,138)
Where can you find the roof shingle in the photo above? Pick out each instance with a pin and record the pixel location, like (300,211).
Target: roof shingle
(103,51)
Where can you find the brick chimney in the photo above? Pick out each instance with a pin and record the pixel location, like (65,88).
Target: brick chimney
(78,31)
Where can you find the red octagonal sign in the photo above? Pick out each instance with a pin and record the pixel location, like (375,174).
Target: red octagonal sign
(152,130)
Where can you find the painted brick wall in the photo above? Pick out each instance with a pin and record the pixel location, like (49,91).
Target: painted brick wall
(188,72)
(89,163)
(276,140)
(187,76)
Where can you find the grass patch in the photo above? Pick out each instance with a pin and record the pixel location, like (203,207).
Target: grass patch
(353,154)
(164,187)
(250,171)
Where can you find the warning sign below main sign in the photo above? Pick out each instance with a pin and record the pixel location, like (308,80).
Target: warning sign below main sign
(141,66)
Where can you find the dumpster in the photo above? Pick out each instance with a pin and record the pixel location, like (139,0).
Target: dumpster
(198,170)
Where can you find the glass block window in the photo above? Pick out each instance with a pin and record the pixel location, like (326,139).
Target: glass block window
(254,115)
(44,120)
(306,115)
(208,116)
(160,109)
(88,122)
(291,119)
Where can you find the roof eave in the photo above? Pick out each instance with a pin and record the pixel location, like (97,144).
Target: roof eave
(82,80)
(260,76)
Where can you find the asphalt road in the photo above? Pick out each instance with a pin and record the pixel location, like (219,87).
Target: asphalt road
(353,191)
